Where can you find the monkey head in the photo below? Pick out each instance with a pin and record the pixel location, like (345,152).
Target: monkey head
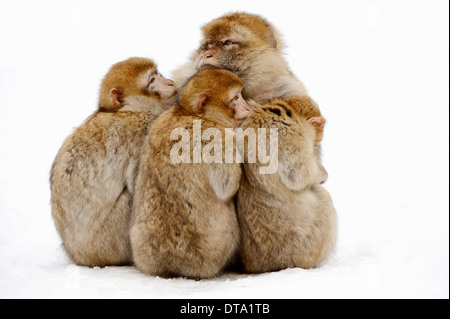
(215,94)
(307,109)
(300,128)
(234,39)
(301,110)
(135,78)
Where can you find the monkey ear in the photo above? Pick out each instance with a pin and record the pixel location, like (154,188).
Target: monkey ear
(317,121)
(202,99)
(116,95)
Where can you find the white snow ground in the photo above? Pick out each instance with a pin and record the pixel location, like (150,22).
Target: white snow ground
(378,69)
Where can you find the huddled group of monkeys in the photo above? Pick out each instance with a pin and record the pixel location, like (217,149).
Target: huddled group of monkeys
(118,199)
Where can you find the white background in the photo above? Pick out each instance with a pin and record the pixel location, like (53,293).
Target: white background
(378,69)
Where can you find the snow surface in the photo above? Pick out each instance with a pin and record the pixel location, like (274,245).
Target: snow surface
(378,69)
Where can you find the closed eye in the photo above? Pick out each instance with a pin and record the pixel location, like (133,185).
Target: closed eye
(228,43)
(211,44)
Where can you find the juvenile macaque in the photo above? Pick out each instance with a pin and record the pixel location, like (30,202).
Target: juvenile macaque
(307,109)
(286,219)
(250,47)
(184,220)
(92,178)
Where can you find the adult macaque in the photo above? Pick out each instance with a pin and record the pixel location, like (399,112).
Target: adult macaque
(250,47)
(184,220)
(286,219)
(92,178)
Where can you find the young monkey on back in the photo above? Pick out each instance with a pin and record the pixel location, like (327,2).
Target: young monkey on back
(287,219)
(184,220)
(92,178)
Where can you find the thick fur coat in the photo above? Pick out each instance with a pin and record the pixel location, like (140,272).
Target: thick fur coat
(92,181)
(258,58)
(184,219)
(93,175)
(286,219)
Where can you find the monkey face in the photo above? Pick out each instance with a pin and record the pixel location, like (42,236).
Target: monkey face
(222,54)
(154,84)
(215,94)
(232,41)
(132,78)
(239,105)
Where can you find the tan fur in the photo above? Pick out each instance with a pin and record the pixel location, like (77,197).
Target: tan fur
(184,221)
(303,107)
(286,219)
(257,59)
(124,76)
(92,178)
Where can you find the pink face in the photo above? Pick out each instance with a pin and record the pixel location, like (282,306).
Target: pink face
(215,49)
(150,82)
(159,85)
(240,105)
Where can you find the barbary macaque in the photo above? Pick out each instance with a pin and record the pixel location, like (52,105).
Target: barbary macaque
(252,48)
(307,109)
(184,220)
(92,178)
(286,219)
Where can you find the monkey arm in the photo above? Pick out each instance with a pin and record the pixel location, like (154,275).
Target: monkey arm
(299,169)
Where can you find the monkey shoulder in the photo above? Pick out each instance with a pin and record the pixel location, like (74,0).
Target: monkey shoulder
(167,119)
(161,127)
(125,118)
(122,125)
(105,132)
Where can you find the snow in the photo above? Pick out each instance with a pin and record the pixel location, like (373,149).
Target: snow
(379,71)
